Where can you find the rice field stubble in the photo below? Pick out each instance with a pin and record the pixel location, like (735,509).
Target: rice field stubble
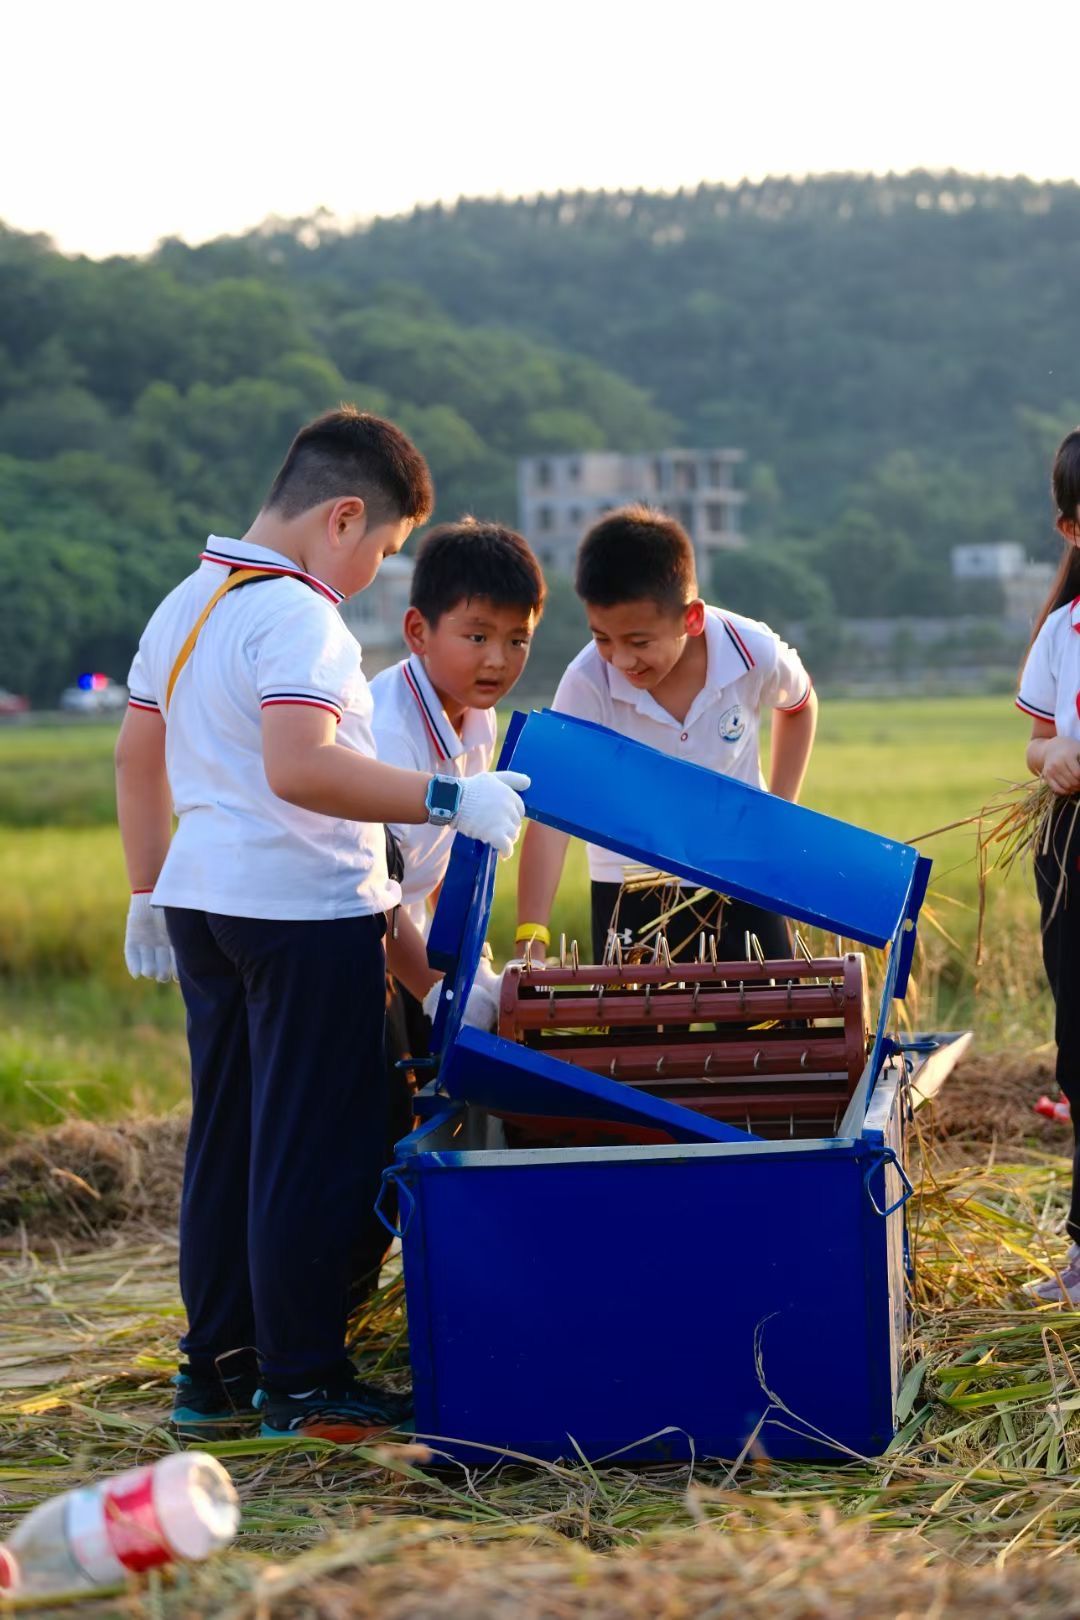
(977,1503)
(976,1507)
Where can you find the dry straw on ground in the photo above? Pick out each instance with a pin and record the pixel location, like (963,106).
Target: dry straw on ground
(977,1508)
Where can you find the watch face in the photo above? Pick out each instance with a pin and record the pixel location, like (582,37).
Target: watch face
(444,796)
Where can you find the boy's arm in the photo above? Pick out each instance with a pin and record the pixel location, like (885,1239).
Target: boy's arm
(304,766)
(792,742)
(144,811)
(143,800)
(543,852)
(406,956)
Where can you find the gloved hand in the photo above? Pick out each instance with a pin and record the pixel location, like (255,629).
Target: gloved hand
(491,810)
(482,1005)
(147,951)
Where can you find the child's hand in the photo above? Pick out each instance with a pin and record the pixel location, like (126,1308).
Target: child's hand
(147,949)
(1061,765)
(492,810)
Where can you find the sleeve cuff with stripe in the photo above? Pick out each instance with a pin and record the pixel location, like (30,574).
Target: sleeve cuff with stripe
(793,708)
(302,698)
(137,701)
(1034,710)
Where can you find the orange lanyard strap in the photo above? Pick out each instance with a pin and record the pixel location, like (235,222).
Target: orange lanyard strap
(241,577)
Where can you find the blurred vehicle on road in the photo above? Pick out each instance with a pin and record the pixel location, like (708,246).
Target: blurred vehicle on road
(93,694)
(13,703)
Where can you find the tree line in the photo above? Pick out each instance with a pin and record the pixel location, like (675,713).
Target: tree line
(895,354)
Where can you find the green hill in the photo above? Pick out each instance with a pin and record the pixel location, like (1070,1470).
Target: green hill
(897,355)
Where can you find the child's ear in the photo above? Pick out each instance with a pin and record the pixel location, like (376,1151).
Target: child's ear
(695,617)
(1069,529)
(416,630)
(347,519)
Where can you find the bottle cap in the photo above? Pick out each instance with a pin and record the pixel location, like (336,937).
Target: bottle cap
(9,1571)
(195,1503)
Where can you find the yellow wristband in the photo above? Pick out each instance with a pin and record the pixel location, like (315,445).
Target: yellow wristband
(531,931)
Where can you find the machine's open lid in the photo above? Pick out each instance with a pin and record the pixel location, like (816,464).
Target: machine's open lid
(696,824)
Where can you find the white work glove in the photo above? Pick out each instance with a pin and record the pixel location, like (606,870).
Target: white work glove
(482,1007)
(491,810)
(482,1004)
(147,951)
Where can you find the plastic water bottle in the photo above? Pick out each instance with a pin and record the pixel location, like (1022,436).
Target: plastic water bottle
(1058,1110)
(182,1507)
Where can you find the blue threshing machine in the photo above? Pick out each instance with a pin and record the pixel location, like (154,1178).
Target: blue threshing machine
(661,1212)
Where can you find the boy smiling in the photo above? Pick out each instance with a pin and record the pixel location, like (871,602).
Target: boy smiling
(691,680)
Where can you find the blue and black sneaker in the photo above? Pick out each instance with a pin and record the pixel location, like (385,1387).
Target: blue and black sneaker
(346,1410)
(213,1406)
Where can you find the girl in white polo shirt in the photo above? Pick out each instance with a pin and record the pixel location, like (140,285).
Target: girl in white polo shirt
(250,717)
(1050,694)
(688,679)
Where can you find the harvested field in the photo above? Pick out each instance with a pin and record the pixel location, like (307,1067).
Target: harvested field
(82,1178)
(79,1179)
(976,1508)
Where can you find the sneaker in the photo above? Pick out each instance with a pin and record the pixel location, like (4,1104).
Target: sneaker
(212,1407)
(345,1411)
(1048,1290)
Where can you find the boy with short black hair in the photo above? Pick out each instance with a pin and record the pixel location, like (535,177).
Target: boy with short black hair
(476,598)
(690,680)
(272,896)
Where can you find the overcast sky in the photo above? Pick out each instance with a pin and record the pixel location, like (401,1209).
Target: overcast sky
(123,122)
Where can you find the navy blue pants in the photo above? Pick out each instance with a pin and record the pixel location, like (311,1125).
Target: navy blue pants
(288,1132)
(1057,882)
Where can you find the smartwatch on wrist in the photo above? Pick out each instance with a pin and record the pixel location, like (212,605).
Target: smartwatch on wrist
(442,799)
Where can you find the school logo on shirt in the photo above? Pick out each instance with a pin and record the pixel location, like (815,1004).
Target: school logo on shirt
(732,723)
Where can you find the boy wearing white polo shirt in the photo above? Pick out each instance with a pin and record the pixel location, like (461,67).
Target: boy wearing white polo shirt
(690,680)
(476,597)
(250,718)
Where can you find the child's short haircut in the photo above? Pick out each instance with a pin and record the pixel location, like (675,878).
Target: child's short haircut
(349,452)
(458,561)
(636,554)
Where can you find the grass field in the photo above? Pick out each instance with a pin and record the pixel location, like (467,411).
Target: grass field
(78,1036)
(973,1511)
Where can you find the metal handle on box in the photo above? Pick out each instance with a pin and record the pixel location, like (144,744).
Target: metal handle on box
(887,1156)
(389,1176)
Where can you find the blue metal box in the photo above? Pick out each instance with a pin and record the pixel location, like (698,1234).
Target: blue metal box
(713,1294)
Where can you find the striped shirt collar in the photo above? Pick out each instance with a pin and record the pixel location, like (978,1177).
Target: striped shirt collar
(227,553)
(728,660)
(444,739)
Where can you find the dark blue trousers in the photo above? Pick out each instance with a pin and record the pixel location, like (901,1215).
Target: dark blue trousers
(288,1130)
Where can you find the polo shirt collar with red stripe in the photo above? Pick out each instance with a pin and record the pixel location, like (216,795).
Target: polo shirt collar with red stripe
(728,659)
(445,742)
(227,554)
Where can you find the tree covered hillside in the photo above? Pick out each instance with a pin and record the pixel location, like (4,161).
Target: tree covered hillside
(897,355)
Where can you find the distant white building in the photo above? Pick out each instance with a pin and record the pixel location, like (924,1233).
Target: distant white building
(995,559)
(1024,585)
(560,496)
(374,616)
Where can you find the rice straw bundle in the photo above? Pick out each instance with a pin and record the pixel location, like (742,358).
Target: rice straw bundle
(1018,823)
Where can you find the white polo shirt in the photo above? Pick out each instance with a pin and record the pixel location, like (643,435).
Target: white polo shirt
(1050,684)
(748,668)
(238,849)
(411,729)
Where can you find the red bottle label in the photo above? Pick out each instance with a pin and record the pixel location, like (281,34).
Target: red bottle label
(131,1522)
